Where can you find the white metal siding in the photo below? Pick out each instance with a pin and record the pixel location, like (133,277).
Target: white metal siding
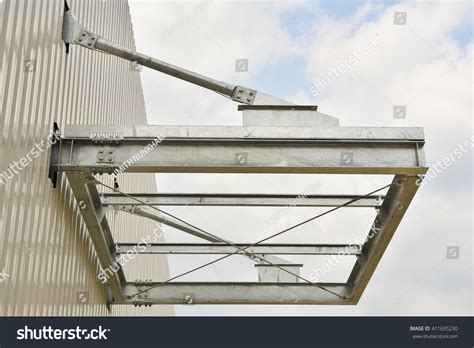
(44,246)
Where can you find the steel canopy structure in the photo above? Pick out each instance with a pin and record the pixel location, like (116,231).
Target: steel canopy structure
(276,137)
(185,149)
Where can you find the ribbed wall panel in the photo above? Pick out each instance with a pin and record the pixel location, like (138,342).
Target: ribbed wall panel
(44,245)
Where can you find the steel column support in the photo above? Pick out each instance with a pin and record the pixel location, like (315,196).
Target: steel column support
(386,223)
(93,214)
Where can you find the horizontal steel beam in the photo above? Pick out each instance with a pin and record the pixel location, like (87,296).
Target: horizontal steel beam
(318,150)
(262,249)
(251,133)
(235,293)
(238,199)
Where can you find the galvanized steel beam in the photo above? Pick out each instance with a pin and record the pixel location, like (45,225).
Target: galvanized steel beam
(236,293)
(246,150)
(93,215)
(75,33)
(239,199)
(386,223)
(388,134)
(261,249)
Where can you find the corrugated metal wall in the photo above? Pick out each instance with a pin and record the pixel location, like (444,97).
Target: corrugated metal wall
(47,263)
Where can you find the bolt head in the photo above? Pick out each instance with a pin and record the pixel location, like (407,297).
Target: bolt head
(238,95)
(249,99)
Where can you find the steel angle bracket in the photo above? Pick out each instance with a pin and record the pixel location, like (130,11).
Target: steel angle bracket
(55,137)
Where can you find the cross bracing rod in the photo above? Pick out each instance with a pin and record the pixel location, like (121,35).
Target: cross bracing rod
(75,33)
(237,293)
(188,149)
(153,214)
(262,249)
(239,199)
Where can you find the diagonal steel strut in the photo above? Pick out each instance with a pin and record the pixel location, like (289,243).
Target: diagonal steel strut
(75,33)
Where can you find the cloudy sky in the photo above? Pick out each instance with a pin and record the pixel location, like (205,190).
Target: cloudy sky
(418,61)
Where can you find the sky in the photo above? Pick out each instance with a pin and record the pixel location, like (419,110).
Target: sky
(405,64)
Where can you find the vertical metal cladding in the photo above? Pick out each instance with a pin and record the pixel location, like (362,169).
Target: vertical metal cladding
(47,263)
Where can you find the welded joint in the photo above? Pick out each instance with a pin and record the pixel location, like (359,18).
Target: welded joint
(243,95)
